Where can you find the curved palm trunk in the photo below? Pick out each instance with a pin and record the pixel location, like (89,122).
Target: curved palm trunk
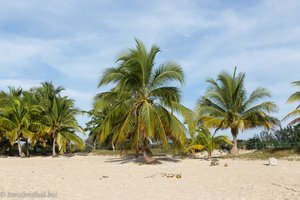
(21,154)
(53,147)
(234,149)
(147,157)
(113,146)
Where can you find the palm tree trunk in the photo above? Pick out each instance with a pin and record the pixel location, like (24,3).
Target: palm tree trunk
(113,146)
(234,149)
(53,148)
(147,157)
(27,148)
(193,154)
(209,155)
(95,145)
(21,154)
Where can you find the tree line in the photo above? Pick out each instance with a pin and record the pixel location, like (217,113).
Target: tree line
(41,117)
(140,110)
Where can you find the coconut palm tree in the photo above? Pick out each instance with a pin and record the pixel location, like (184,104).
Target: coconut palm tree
(93,127)
(58,118)
(140,105)
(46,93)
(296,113)
(204,140)
(227,105)
(16,119)
(61,124)
(39,134)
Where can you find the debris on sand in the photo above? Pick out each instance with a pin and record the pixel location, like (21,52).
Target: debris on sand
(178,176)
(150,176)
(167,175)
(103,177)
(273,162)
(214,162)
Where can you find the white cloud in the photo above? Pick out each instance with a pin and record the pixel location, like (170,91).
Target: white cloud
(72,42)
(23,83)
(84,99)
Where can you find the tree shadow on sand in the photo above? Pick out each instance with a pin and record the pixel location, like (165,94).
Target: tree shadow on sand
(75,154)
(141,160)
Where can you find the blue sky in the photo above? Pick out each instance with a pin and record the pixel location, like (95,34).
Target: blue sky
(71,42)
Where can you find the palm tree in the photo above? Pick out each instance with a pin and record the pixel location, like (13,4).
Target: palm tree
(93,127)
(58,117)
(60,123)
(294,98)
(204,140)
(39,135)
(16,119)
(46,93)
(226,105)
(140,105)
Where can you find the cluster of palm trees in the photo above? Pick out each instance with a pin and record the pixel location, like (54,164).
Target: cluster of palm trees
(39,117)
(143,106)
(141,109)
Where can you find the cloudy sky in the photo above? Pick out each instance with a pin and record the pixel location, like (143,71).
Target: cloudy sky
(71,42)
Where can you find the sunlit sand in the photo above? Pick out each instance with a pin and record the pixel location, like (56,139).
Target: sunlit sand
(113,177)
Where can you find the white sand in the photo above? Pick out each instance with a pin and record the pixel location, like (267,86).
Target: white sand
(81,177)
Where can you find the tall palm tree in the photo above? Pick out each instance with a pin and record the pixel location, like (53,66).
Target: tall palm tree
(204,140)
(140,105)
(294,98)
(227,105)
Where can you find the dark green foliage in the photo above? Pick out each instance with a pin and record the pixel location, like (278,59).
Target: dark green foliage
(288,137)
(254,143)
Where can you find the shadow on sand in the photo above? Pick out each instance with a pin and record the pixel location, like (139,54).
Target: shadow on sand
(140,159)
(75,154)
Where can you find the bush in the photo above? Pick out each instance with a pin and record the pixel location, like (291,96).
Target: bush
(254,143)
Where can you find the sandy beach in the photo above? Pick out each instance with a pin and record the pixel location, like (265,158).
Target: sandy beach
(109,177)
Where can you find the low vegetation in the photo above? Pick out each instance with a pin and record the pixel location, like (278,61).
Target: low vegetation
(288,154)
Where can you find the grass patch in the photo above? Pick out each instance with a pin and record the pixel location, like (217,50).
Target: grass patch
(103,152)
(289,154)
